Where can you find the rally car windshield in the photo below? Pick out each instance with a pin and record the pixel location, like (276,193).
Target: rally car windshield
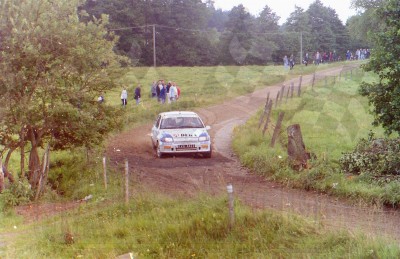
(181,123)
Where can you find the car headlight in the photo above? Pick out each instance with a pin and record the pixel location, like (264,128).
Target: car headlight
(167,138)
(204,137)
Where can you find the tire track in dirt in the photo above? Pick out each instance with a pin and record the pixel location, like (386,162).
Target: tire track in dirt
(189,175)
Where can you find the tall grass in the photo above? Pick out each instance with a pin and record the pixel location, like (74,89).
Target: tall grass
(158,227)
(333,118)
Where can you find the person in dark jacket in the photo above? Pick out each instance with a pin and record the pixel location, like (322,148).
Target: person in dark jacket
(138,94)
(158,90)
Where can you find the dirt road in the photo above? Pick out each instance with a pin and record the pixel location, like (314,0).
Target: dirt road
(188,175)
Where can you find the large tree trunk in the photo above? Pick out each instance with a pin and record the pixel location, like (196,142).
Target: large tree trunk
(1,177)
(22,149)
(34,167)
(8,156)
(34,160)
(44,173)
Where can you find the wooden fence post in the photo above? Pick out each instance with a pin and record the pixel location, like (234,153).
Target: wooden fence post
(269,109)
(281,93)
(126,181)
(313,81)
(287,94)
(291,89)
(260,121)
(263,113)
(277,128)
(299,89)
(277,99)
(105,172)
(229,189)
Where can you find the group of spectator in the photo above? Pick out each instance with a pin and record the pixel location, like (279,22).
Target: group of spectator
(164,92)
(322,57)
(137,95)
(169,92)
(326,57)
(360,54)
(288,62)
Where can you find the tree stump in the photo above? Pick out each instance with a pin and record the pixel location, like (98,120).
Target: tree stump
(297,153)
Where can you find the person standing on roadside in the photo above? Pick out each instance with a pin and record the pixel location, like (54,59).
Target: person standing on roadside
(153,89)
(163,93)
(137,94)
(306,58)
(158,90)
(173,92)
(285,62)
(168,86)
(291,62)
(124,97)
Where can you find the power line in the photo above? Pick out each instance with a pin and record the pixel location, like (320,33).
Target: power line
(206,31)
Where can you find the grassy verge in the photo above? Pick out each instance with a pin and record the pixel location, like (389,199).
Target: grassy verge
(159,227)
(333,118)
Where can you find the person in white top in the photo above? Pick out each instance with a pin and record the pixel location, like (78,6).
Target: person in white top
(124,97)
(173,92)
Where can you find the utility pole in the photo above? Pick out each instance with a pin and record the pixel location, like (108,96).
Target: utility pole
(301,47)
(154,45)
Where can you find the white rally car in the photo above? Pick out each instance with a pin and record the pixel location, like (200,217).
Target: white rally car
(180,132)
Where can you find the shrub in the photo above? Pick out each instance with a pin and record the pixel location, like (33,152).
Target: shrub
(379,159)
(18,193)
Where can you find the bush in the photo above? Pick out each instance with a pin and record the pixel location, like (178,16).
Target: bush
(18,193)
(378,159)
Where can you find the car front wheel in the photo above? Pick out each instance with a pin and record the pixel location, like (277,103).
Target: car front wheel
(158,151)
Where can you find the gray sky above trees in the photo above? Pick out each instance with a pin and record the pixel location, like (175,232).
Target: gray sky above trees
(283,8)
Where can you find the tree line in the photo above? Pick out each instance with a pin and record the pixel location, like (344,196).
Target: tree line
(194,32)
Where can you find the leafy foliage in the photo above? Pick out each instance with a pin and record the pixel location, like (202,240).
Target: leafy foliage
(384,95)
(53,68)
(378,159)
(18,193)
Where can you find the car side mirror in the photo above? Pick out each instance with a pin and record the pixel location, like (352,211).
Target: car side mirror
(208,127)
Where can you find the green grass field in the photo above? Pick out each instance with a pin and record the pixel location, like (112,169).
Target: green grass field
(157,227)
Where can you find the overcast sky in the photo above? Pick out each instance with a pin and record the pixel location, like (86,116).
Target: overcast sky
(283,8)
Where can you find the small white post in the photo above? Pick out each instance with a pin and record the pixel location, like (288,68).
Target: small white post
(105,172)
(229,189)
(126,181)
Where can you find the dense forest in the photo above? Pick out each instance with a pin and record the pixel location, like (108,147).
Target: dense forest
(194,32)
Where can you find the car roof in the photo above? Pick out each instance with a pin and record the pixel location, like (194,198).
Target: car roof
(178,113)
